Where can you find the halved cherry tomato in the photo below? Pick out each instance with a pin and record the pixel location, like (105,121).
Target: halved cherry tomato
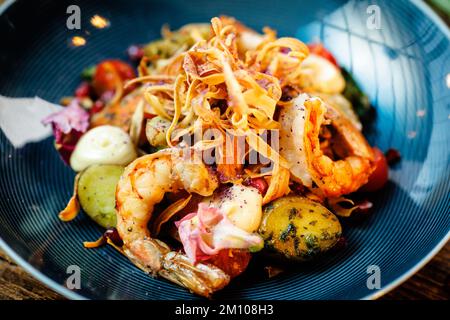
(258,183)
(109,74)
(379,177)
(319,49)
(232,261)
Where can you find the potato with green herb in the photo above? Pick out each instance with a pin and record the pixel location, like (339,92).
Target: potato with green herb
(97,193)
(299,228)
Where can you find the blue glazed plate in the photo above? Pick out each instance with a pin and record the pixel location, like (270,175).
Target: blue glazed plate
(403,66)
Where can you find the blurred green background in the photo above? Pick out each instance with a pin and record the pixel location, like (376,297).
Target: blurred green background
(442,8)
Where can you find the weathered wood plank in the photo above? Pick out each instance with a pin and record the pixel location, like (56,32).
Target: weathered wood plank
(17,284)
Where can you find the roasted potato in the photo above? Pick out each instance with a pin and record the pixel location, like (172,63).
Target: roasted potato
(299,228)
(97,193)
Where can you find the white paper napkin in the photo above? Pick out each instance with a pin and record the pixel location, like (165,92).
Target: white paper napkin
(20,119)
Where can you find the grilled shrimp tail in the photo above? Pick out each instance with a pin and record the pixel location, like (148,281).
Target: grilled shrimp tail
(203,279)
(154,257)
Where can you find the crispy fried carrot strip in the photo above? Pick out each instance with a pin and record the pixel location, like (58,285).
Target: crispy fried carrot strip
(73,207)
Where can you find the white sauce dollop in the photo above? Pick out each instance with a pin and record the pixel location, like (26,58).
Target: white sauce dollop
(241,204)
(103,145)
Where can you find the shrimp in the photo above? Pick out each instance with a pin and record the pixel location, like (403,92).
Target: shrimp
(347,174)
(300,145)
(142,185)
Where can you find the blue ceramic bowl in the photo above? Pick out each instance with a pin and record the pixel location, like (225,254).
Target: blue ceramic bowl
(403,66)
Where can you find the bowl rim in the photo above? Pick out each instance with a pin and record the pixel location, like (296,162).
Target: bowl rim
(426,9)
(52,284)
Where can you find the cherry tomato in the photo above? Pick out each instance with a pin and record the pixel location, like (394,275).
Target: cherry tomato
(97,107)
(83,90)
(319,49)
(111,73)
(258,183)
(232,261)
(379,177)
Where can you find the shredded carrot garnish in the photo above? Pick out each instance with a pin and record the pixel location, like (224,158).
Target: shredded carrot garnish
(185,88)
(95,244)
(73,207)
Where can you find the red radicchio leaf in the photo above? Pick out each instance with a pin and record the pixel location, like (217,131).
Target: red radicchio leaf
(68,126)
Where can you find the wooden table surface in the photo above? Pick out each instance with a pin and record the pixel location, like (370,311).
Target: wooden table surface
(431,282)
